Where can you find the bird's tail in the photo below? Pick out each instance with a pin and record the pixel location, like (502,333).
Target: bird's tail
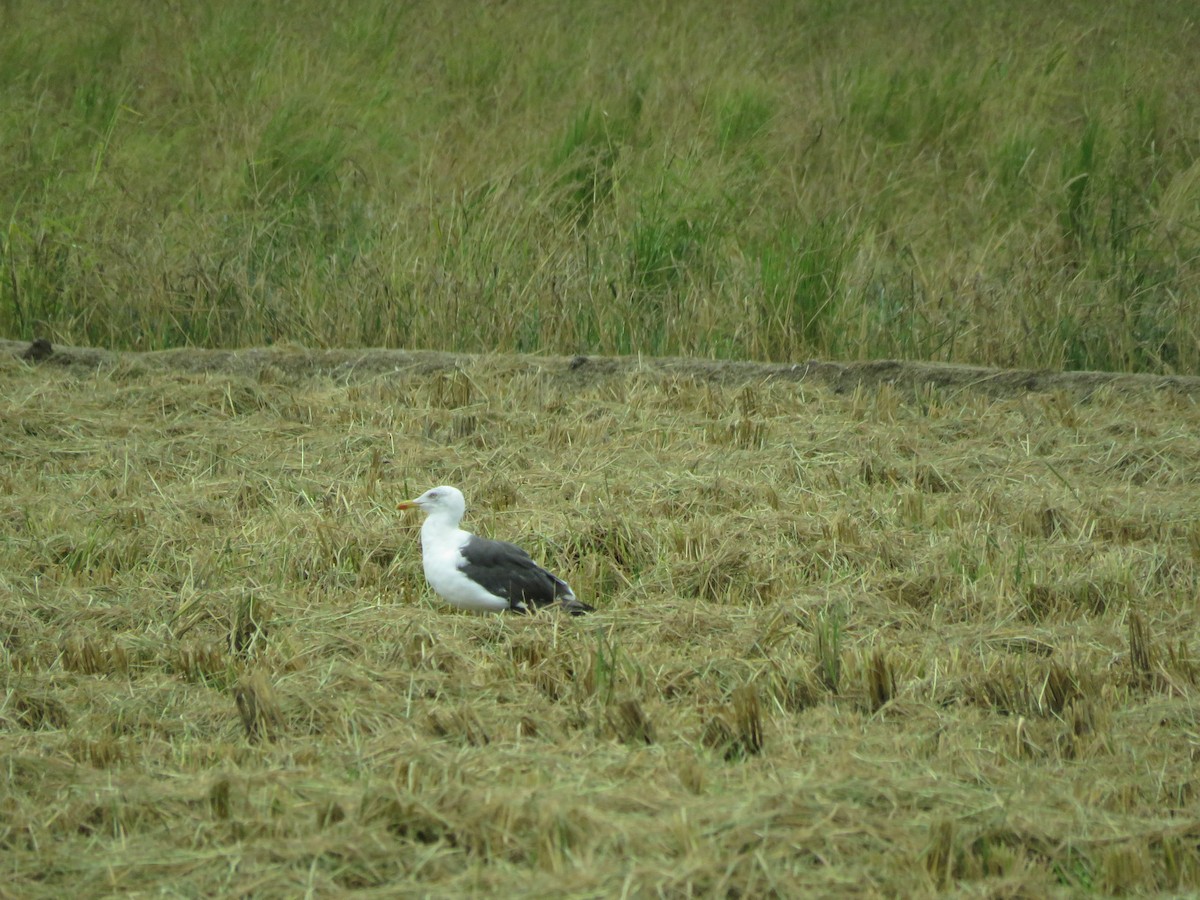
(567,599)
(575,606)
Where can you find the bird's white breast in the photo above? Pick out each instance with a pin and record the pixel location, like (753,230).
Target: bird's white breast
(441,555)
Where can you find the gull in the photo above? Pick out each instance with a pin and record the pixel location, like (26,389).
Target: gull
(478,574)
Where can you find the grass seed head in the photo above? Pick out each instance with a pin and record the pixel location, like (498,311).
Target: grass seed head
(630,723)
(102,753)
(1123,866)
(248,635)
(203,663)
(1142,656)
(258,706)
(219,798)
(83,654)
(827,639)
(451,391)
(1061,688)
(747,714)
(940,852)
(881,680)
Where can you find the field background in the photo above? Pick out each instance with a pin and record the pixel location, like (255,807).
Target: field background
(1008,184)
(863,628)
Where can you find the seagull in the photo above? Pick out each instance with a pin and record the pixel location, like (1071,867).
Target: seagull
(477,574)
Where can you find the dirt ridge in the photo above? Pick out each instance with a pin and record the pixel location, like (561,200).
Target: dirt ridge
(363,364)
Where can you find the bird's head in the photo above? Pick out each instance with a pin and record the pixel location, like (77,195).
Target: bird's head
(444,500)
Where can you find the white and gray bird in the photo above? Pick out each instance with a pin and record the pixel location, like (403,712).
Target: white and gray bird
(478,574)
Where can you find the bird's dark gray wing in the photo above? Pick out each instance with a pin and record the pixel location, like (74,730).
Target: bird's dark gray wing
(509,572)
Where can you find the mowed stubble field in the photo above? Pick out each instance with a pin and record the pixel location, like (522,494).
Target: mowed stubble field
(883,641)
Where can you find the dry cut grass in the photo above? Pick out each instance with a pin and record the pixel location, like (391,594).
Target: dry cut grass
(884,642)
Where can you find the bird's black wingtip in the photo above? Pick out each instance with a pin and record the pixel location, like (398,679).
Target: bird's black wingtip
(569,605)
(577,607)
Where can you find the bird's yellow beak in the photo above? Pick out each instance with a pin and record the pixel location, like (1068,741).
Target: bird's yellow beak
(407,504)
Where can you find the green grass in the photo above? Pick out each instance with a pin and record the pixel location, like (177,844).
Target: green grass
(1013,185)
